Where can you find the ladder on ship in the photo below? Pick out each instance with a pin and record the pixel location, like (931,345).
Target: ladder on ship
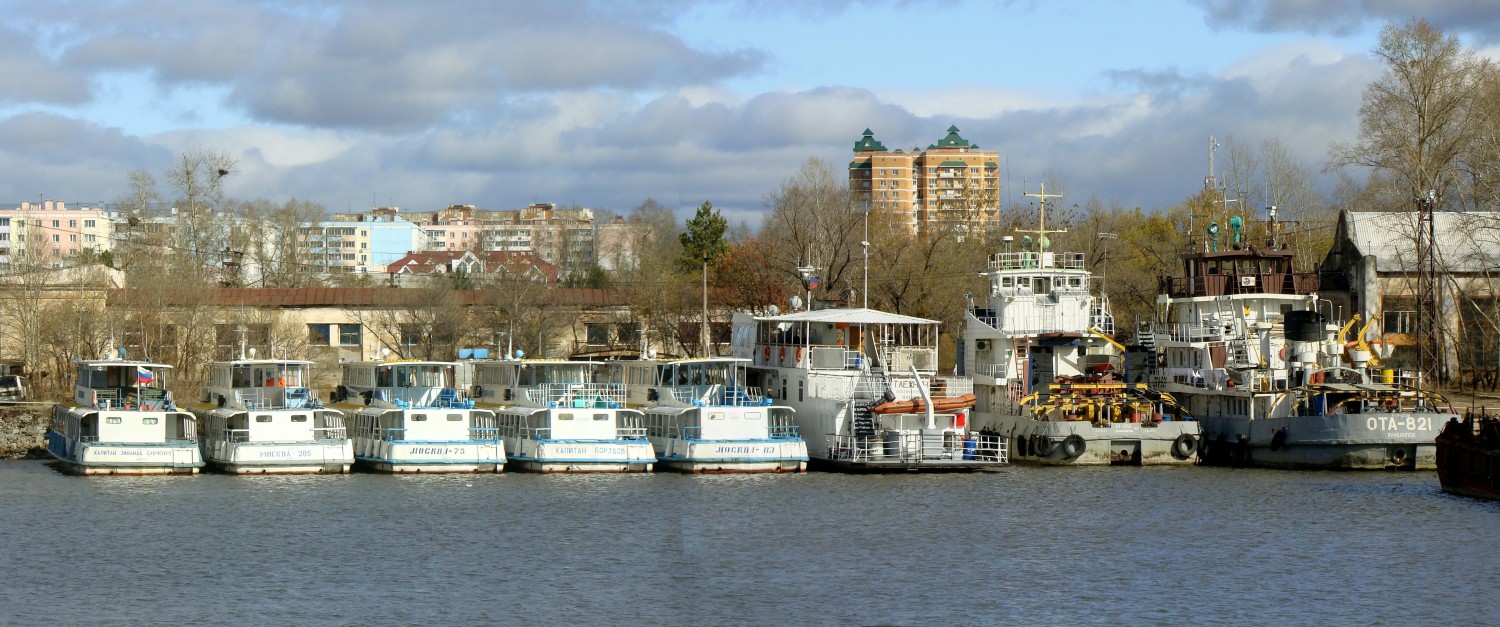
(1239,341)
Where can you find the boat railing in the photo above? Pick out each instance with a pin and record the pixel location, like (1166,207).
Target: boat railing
(630,433)
(718,396)
(951,386)
(423,397)
(601,395)
(901,358)
(996,371)
(1044,319)
(391,434)
(783,432)
(1201,332)
(484,434)
(916,447)
(330,433)
(1249,283)
(1036,260)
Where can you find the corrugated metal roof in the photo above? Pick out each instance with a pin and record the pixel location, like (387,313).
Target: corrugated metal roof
(851,316)
(1466,242)
(348,297)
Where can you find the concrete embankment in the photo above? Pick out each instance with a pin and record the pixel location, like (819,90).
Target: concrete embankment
(22,432)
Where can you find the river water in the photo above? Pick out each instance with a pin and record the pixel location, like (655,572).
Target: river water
(1117,546)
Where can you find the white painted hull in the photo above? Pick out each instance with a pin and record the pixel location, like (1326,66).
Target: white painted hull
(246,458)
(430,457)
(103,458)
(1043,442)
(581,456)
(733,456)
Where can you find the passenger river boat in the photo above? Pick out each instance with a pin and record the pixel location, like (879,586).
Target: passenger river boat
(865,389)
(409,417)
(1049,376)
(122,421)
(701,417)
(260,417)
(555,416)
(1244,342)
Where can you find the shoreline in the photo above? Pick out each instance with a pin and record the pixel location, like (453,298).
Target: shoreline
(22,432)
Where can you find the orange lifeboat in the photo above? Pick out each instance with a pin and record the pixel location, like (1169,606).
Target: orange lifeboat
(940,404)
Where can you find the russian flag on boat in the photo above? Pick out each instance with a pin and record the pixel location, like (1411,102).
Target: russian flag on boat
(142,375)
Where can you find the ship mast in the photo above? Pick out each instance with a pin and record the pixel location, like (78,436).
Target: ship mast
(1041,229)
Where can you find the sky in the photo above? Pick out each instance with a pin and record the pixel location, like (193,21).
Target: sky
(604,104)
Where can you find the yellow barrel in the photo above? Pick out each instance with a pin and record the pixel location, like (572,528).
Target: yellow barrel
(1387,376)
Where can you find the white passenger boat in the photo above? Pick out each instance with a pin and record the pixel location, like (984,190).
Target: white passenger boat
(409,418)
(122,421)
(702,418)
(1049,376)
(1247,346)
(259,416)
(555,417)
(865,389)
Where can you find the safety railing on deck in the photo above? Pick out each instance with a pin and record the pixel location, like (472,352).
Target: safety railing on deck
(917,448)
(601,395)
(719,396)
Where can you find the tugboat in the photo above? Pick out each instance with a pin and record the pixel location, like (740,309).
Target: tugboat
(260,417)
(702,418)
(122,421)
(1468,456)
(1049,376)
(865,389)
(1244,342)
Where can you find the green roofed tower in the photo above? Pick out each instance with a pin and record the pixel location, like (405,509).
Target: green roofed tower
(953,183)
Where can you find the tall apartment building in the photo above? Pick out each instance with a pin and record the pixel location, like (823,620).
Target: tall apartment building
(951,183)
(50,233)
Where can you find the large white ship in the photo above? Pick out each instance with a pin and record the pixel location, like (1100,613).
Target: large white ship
(1049,376)
(122,421)
(865,388)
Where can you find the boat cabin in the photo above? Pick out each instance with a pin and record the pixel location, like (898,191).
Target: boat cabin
(260,384)
(838,339)
(119,384)
(577,406)
(1243,269)
(403,384)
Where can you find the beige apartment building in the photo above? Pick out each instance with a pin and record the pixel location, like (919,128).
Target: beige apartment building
(950,184)
(48,232)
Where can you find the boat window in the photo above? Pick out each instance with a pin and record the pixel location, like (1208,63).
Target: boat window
(565,416)
(112,420)
(601,416)
(149,420)
(1006,281)
(263,419)
(419,417)
(1023,282)
(455,417)
(1041,285)
(752,415)
(718,415)
(299,418)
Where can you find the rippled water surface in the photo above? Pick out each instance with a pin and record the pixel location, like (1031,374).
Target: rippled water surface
(1117,546)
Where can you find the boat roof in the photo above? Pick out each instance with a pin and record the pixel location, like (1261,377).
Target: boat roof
(855,315)
(261,362)
(105,363)
(401,362)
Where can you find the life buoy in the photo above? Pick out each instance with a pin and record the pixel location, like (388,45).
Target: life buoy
(1073,445)
(799,354)
(768,353)
(783,353)
(1184,446)
(1282,353)
(1278,439)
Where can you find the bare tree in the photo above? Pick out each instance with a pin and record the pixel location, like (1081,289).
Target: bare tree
(815,222)
(1415,121)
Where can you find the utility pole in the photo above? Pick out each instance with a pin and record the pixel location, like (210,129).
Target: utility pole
(1429,325)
